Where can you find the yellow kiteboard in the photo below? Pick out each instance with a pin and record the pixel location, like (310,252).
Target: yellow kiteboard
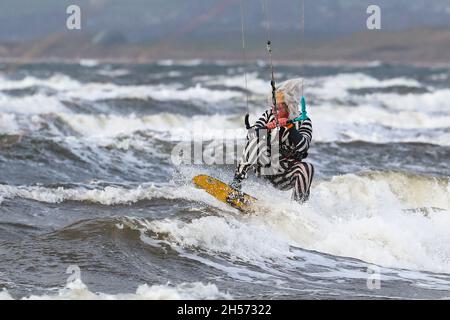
(224,193)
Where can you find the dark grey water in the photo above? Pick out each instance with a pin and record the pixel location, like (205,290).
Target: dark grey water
(87,179)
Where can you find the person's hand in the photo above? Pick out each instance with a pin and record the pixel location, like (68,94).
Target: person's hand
(282,122)
(271,125)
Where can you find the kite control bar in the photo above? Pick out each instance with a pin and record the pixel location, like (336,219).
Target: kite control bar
(302,117)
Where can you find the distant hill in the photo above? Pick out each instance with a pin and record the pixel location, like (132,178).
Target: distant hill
(421,45)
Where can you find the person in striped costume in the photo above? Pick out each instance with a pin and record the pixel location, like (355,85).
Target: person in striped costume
(278,153)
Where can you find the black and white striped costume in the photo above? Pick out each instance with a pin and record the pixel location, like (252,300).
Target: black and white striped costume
(286,168)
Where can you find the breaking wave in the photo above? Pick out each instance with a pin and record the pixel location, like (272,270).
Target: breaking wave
(69,88)
(335,125)
(107,196)
(77,290)
(391,219)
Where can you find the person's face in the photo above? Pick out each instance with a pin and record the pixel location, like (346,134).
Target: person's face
(283,111)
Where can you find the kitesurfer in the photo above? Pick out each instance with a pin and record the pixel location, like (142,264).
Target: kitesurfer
(294,139)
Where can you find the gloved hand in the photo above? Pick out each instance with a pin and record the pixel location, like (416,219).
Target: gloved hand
(273,124)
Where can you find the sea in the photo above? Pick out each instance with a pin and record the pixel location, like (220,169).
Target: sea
(97,201)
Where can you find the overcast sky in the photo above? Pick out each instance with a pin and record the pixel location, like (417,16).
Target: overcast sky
(145,20)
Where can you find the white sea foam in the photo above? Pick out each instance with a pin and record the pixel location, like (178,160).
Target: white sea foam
(77,290)
(365,123)
(368,123)
(436,101)
(103,91)
(361,216)
(69,88)
(105,196)
(88,63)
(253,83)
(34,104)
(114,72)
(165,63)
(225,235)
(58,82)
(180,127)
(4,295)
(439,77)
(185,63)
(8,123)
(338,86)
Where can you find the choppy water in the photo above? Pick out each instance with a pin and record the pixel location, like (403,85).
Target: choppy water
(87,179)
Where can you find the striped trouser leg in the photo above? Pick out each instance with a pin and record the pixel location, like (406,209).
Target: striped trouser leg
(298,177)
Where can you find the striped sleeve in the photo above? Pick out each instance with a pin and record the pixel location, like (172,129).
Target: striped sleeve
(255,146)
(264,119)
(300,139)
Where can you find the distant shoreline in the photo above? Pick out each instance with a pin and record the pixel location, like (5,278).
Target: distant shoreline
(415,47)
(91,62)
